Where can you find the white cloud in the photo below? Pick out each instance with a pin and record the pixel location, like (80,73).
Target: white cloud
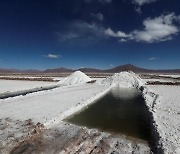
(119,34)
(82,32)
(52,56)
(98,16)
(142,2)
(138,10)
(161,28)
(153,58)
(122,40)
(178,18)
(68,36)
(158,29)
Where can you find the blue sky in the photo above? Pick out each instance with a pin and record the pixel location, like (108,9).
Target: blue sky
(40,34)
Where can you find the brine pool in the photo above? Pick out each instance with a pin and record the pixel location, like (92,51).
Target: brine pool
(121,111)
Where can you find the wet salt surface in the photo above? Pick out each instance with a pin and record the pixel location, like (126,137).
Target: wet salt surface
(121,111)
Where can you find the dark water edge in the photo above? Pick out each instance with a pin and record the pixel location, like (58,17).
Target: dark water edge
(121,111)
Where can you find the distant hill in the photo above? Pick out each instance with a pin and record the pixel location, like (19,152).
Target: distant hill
(4,70)
(127,67)
(30,71)
(58,70)
(91,70)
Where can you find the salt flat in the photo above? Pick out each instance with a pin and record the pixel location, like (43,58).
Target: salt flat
(159,80)
(15,85)
(167,116)
(171,75)
(19,115)
(44,106)
(51,106)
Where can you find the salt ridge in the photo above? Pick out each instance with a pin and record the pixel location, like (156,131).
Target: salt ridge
(124,80)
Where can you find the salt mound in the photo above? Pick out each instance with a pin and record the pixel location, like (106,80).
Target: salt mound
(124,80)
(77,77)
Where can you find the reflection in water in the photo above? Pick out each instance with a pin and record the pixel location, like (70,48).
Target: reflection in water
(123,93)
(120,111)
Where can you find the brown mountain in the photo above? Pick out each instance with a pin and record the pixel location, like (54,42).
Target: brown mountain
(130,67)
(127,67)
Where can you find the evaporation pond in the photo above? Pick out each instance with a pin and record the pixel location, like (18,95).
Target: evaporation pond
(120,111)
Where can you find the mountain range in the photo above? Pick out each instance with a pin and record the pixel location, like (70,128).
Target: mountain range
(127,67)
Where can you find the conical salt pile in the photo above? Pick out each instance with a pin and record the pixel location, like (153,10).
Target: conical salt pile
(77,77)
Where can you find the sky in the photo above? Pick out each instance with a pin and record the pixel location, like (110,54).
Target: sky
(41,34)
